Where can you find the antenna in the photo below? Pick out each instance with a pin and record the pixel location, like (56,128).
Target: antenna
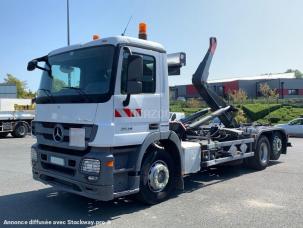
(126,26)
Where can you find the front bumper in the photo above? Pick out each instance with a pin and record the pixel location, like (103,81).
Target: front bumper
(69,178)
(92,191)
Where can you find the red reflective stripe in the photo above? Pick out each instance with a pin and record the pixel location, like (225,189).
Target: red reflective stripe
(128,112)
(117,114)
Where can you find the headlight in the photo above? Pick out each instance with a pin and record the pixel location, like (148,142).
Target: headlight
(90,166)
(34,155)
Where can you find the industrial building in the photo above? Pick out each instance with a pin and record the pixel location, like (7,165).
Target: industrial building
(8,90)
(286,84)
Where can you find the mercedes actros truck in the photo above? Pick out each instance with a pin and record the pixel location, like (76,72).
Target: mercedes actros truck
(102,122)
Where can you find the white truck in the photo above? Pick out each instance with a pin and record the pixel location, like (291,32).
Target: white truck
(102,122)
(15,122)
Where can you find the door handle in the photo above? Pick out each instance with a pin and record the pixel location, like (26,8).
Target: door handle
(153,126)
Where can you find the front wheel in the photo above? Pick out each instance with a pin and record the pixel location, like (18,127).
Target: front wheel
(156,179)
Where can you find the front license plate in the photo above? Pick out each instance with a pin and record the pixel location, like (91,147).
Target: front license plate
(57,161)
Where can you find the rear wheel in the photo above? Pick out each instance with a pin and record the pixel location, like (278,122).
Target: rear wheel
(262,154)
(3,134)
(277,146)
(20,131)
(156,179)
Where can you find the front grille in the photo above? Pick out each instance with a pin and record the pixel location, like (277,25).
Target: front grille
(44,133)
(58,168)
(80,153)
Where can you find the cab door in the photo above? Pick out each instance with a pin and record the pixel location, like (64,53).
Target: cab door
(142,115)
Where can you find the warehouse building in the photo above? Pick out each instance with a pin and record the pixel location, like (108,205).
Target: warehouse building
(8,90)
(286,84)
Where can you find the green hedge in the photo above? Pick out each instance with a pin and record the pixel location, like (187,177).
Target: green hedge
(258,111)
(284,114)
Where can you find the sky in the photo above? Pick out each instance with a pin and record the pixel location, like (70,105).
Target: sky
(254,36)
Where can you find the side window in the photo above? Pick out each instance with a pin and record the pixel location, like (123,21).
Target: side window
(295,122)
(149,74)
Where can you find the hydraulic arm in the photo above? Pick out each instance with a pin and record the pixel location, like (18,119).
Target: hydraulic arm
(210,97)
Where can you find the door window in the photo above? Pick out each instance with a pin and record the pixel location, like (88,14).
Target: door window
(149,74)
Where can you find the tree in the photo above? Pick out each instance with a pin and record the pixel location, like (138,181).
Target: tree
(267,92)
(58,84)
(264,89)
(298,74)
(238,96)
(22,91)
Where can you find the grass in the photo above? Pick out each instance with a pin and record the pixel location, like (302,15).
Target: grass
(187,111)
(188,107)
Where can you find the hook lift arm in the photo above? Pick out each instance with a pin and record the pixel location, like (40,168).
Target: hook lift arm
(215,102)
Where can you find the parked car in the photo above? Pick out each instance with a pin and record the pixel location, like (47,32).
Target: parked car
(293,127)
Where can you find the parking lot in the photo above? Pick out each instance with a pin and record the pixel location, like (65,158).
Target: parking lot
(221,197)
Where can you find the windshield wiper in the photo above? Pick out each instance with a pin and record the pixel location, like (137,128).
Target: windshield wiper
(48,93)
(80,91)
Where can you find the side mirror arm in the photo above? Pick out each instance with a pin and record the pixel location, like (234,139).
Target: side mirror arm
(43,59)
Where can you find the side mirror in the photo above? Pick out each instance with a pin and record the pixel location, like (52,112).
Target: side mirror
(134,74)
(32,65)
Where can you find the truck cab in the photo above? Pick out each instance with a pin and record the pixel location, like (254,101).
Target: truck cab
(95,117)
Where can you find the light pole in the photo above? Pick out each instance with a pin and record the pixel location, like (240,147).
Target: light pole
(67,14)
(68,37)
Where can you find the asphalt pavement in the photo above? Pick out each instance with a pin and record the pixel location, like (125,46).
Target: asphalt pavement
(229,196)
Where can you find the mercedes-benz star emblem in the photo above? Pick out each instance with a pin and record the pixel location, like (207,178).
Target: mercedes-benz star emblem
(58,135)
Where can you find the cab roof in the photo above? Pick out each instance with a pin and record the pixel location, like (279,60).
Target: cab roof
(115,40)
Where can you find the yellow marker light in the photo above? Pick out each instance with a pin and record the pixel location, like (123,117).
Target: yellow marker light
(96,37)
(142,31)
(142,27)
(110,164)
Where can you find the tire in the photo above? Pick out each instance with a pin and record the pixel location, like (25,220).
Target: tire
(277,146)
(157,162)
(20,131)
(3,134)
(262,154)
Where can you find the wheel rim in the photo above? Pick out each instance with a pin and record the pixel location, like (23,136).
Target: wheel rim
(277,144)
(21,130)
(158,176)
(264,153)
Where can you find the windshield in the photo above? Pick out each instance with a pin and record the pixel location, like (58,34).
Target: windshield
(82,75)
